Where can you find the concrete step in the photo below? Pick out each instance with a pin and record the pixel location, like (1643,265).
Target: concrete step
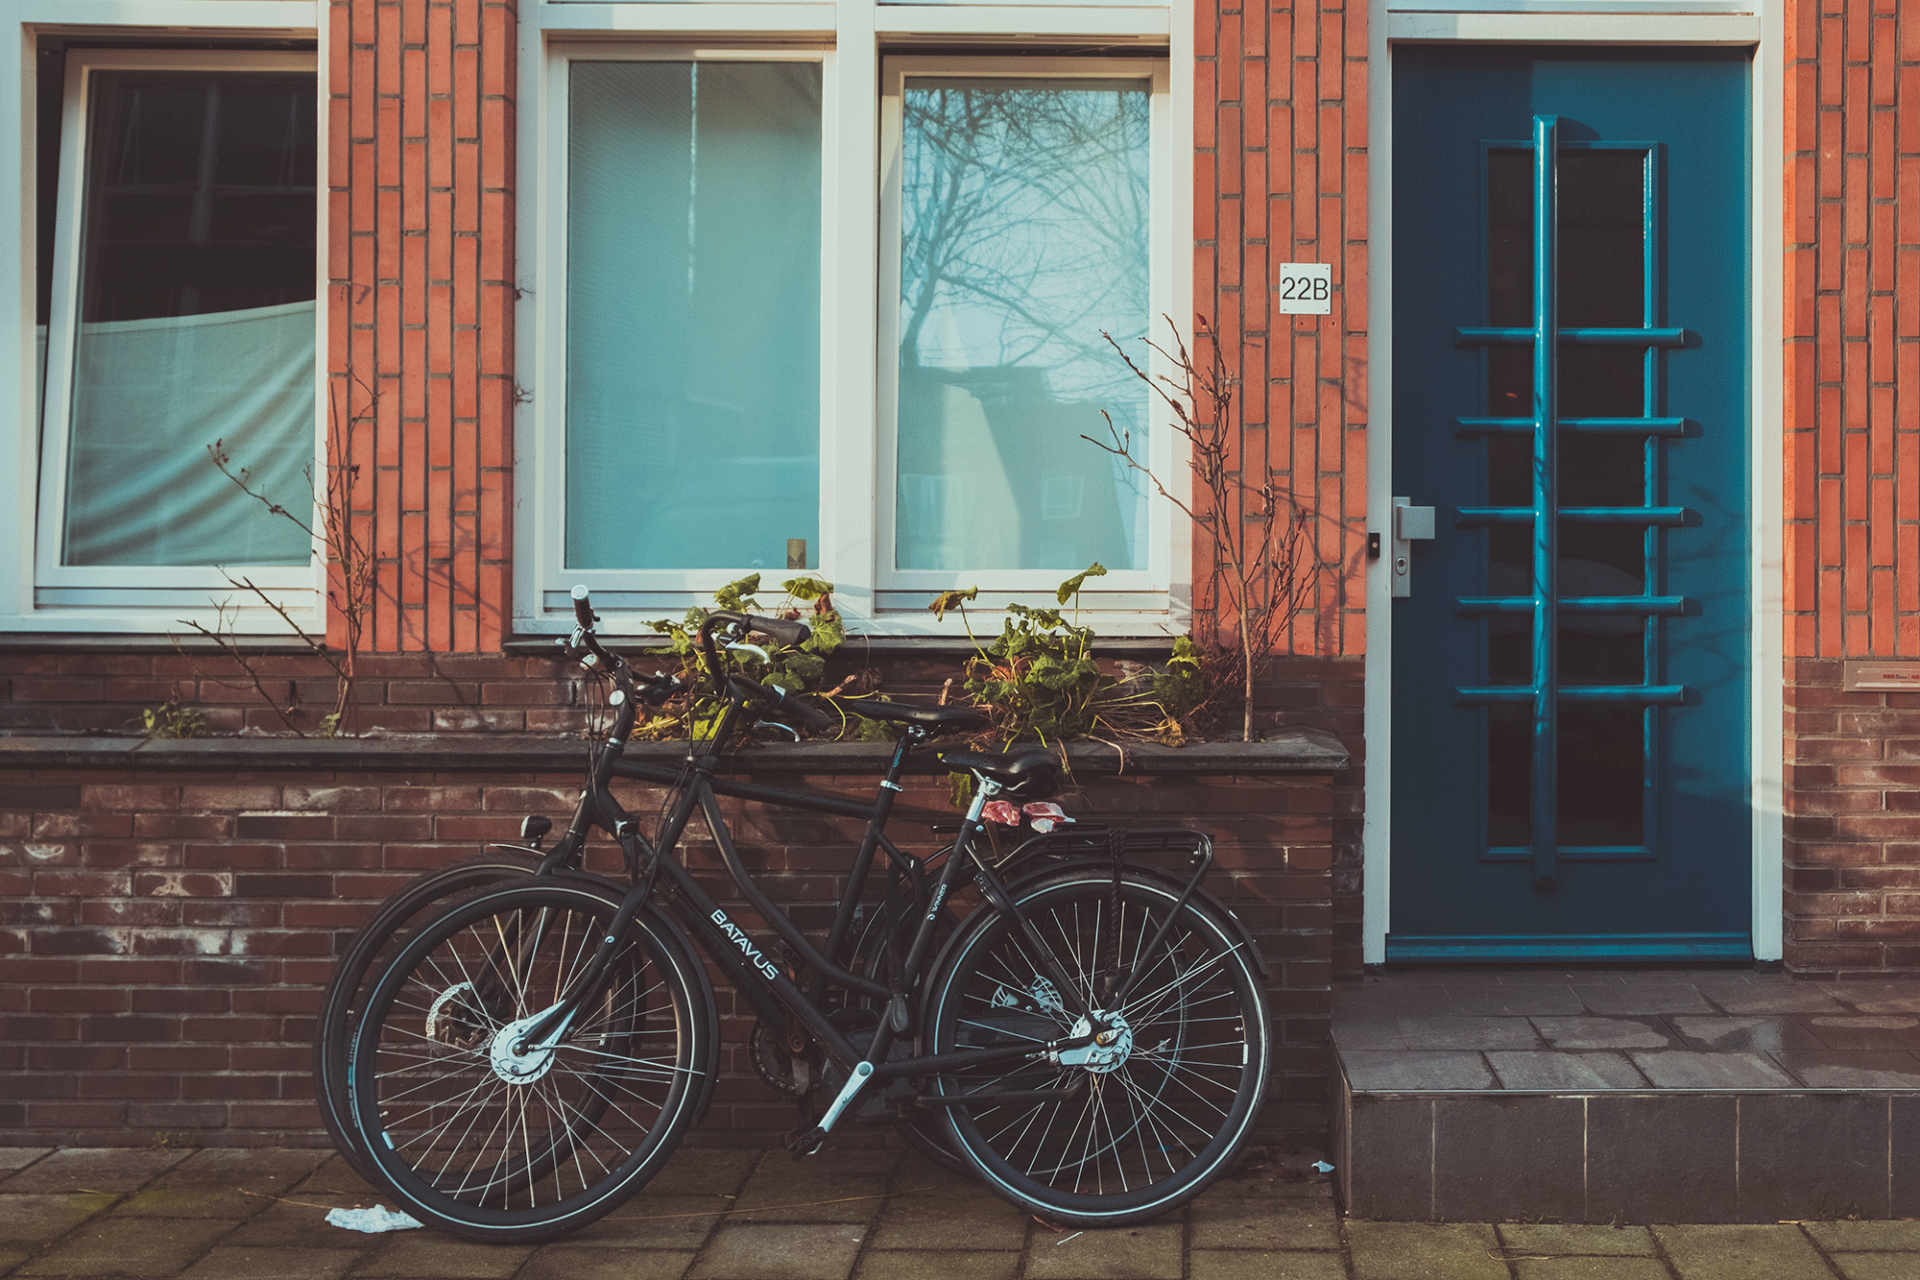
(1628,1096)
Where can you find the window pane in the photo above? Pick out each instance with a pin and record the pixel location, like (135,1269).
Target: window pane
(1024,228)
(196,320)
(693,314)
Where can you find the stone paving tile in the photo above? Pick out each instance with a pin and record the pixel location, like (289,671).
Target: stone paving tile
(15,1158)
(605,1264)
(1567,1072)
(780,1192)
(1858,1237)
(11,1258)
(1759,1034)
(1769,997)
(1852,1069)
(1602,1033)
(654,1222)
(1675,1069)
(1575,1238)
(118,1169)
(302,1223)
(430,1256)
(1468,1033)
(1874,997)
(130,1246)
(779,1252)
(1593,1269)
(1386,1071)
(1238,1264)
(1242,1224)
(949,1222)
(1863,1031)
(1738,1252)
(1425,1251)
(35,1220)
(1515,998)
(1148,1252)
(910,1265)
(1877,1266)
(1642,997)
(256,1262)
(698,1171)
(336,1175)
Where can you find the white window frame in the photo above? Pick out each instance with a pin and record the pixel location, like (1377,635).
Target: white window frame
(108,583)
(912,587)
(145,606)
(850,38)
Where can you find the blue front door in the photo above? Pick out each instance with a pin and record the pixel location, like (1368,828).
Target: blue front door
(1570,369)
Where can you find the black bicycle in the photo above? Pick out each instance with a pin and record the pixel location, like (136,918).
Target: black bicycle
(1091,1036)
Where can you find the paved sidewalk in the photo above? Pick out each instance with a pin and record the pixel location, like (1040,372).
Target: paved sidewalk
(875,1214)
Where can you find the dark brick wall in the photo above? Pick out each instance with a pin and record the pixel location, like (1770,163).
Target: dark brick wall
(164,935)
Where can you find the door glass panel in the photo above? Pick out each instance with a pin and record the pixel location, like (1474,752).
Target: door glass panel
(1601,774)
(1509,774)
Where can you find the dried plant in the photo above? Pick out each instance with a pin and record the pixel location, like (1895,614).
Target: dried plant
(351,579)
(1263,569)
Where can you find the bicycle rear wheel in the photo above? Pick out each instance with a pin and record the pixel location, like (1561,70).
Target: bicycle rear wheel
(347,990)
(1150,1121)
(486,1137)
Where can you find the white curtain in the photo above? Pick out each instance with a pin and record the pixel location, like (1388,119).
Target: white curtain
(149,396)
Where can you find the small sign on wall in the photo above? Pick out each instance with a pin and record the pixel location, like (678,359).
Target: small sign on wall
(1306,288)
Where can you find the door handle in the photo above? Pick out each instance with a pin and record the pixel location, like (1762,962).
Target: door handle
(1410,523)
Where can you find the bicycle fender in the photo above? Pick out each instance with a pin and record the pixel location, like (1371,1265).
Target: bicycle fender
(1149,872)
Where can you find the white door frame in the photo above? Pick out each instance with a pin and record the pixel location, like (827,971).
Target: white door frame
(1758,25)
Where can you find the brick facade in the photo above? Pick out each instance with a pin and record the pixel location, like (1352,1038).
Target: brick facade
(420,297)
(1852,500)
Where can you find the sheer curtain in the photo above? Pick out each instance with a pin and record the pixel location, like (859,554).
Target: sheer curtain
(149,396)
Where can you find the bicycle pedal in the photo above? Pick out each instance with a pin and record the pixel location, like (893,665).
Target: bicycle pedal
(808,1143)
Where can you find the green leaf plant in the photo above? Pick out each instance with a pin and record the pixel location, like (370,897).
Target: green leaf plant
(798,669)
(1039,679)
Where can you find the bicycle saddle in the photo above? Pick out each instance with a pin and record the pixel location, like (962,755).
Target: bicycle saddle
(927,717)
(1026,775)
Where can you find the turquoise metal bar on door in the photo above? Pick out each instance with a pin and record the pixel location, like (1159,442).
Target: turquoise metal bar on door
(1546,483)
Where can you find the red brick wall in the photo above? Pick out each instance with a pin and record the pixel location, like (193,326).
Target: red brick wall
(1280,175)
(1852,283)
(164,935)
(420,295)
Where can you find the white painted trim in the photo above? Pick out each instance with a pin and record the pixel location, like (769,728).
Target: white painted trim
(758,21)
(1030,21)
(1572,8)
(1573,28)
(175,16)
(1767,476)
(298,588)
(1767,105)
(1377,720)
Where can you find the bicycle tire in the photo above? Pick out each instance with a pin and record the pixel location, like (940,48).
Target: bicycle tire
(486,1143)
(348,986)
(1124,1141)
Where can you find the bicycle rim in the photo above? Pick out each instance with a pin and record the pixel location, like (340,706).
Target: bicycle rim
(1146,1128)
(493,1139)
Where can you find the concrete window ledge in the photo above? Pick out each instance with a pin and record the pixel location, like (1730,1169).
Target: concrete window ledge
(1285,752)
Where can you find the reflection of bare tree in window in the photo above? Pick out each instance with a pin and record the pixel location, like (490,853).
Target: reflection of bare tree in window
(1030,205)
(1024,225)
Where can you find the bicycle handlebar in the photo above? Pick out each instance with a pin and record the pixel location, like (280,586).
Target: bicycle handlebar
(775,698)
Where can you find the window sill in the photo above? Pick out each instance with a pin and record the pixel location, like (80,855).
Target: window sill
(1286,752)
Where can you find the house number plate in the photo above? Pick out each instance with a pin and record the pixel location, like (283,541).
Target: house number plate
(1306,288)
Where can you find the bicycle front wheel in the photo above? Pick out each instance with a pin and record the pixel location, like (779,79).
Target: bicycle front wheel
(488,1136)
(347,990)
(1145,1124)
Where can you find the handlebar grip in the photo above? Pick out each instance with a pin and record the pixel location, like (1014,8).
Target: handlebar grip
(582,610)
(780,630)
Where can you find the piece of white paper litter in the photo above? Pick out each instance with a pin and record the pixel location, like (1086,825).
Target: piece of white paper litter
(378,1218)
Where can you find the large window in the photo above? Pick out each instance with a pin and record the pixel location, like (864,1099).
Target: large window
(178,313)
(779,348)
